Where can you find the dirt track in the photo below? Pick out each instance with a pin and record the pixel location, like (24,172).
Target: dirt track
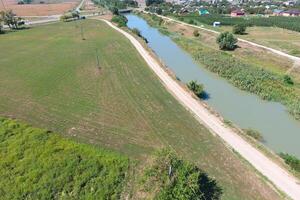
(278,176)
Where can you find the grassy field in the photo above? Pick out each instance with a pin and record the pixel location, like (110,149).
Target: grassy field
(49,77)
(277,38)
(37,164)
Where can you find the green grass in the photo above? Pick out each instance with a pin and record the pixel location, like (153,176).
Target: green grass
(37,164)
(49,77)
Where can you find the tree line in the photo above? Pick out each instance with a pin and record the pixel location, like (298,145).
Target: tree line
(10,19)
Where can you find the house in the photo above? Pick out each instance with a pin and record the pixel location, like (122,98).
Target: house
(289,3)
(237,13)
(203,12)
(291,13)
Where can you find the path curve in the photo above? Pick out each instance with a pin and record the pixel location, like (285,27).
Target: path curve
(282,179)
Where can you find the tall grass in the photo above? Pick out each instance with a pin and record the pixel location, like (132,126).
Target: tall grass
(38,164)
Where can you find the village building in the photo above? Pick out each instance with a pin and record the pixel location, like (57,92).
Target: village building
(237,13)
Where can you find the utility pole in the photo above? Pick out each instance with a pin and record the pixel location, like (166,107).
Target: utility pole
(97,59)
(81,30)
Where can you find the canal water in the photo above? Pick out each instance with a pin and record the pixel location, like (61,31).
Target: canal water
(279,129)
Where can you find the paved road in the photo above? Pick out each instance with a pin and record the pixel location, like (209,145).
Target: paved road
(277,175)
(293,58)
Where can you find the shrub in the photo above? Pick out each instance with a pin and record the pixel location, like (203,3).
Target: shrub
(239,29)
(227,41)
(198,89)
(114,10)
(196,33)
(170,177)
(255,134)
(288,80)
(191,21)
(292,161)
(120,20)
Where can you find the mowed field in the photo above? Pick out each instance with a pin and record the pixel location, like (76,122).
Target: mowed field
(50,77)
(51,7)
(277,38)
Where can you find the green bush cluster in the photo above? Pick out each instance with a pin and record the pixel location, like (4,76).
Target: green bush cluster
(268,85)
(226,41)
(290,23)
(38,164)
(172,178)
(239,29)
(254,134)
(197,88)
(292,161)
(120,20)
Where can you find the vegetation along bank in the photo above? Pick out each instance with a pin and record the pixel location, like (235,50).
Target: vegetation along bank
(244,75)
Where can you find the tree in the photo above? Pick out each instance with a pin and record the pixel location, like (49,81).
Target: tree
(149,2)
(120,20)
(288,80)
(11,19)
(170,177)
(239,29)
(227,41)
(114,10)
(198,89)
(196,33)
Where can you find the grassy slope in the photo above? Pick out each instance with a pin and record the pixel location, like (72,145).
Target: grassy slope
(36,164)
(48,77)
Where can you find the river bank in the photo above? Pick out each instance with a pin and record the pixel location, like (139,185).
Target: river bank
(260,73)
(253,156)
(278,128)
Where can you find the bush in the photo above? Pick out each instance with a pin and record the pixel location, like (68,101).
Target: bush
(114,10)
(169,177)
(120,20)
(226,41)
(292,161)
(196,33)
(239,29)
(198,89)
(255,134)
(288,80)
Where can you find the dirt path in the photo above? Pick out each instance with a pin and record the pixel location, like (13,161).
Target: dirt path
(293,58)
(278,176)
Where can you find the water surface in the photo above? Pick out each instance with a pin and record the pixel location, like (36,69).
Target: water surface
(279,129)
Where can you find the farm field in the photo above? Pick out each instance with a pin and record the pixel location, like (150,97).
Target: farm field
(277,38)
(118,104)
(36,9)
(37,164)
